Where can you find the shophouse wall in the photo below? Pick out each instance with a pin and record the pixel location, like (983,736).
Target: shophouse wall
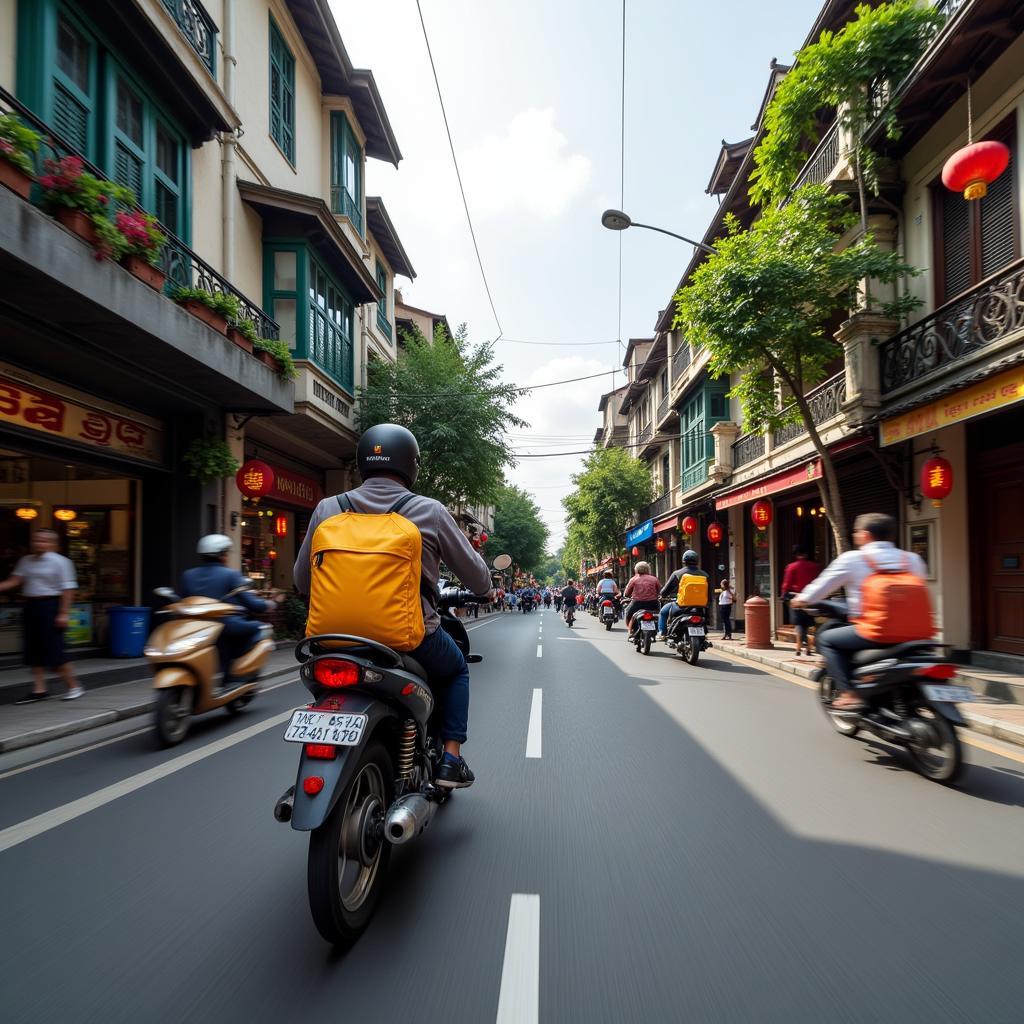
(8,43)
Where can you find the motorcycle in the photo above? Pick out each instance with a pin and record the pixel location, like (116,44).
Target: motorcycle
(643,628)
(686,634)
(608,613)
(909,699)
(185,659)
(370,751)
(570,615)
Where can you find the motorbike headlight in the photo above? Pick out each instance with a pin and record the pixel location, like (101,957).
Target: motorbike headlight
(193,640)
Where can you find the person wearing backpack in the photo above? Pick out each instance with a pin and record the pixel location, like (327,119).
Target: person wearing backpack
(696,582)
(370,562)
(887,596)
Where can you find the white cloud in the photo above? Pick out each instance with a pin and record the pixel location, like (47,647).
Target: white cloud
(529,167)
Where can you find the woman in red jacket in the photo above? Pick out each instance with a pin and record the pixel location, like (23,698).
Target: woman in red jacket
(799,573)
(644,589)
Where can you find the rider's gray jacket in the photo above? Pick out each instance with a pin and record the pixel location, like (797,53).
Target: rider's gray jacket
(442,538)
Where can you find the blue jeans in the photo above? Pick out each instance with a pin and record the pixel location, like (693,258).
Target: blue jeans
(447,670)
(670,609)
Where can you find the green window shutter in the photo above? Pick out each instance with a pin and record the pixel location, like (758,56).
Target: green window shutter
(282,93)
(73,85)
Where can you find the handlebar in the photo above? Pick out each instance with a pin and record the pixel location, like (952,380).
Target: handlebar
(452,597)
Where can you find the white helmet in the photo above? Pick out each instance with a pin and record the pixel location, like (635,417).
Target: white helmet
(213,544)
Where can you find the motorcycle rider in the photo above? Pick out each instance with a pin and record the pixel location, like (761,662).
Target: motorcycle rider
(558,600)
(215,579)
(874,535)
(388,458)
(671,591)
(643,588)
(607,587)
(569,595)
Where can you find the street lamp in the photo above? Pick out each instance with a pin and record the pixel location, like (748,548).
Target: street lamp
(616,220)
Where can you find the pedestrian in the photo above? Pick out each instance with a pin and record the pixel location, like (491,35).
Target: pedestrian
(726,599)
(48,585)
(799,574)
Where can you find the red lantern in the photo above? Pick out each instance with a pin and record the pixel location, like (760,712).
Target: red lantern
(689,526)
(660,543)
(936,480)
(281,526)
(636,552)
(972,169)
(715,533)
(761,514)
(622,559)
(483,538)
(255,479)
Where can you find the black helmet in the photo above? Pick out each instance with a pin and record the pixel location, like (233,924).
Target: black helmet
(389,448)
(690,557)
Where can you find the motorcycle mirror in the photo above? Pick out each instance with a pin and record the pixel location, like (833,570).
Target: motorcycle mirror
(502,562)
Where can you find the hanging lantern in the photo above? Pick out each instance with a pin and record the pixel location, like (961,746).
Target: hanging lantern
(636,552)
(973,168)
(622,559)
(281,526)
(65,515)
(936,480)
(26,512)
(255,479)
(761,514)
(716,533)
(272,555)
(660,543)
(483,538)
(689,525)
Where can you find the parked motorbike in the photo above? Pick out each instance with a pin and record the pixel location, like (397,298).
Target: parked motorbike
(909,700)
(371,747)
(643,628)
(186,662)
(686,634)
(608,614)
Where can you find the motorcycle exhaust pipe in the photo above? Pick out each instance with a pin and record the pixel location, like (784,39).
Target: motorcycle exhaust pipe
(407,817)
(283,807)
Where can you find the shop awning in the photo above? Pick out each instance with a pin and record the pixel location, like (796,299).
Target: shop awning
(639,533)
(666,524)
(773,485)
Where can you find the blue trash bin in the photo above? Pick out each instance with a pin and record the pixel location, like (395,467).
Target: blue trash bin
(129,628)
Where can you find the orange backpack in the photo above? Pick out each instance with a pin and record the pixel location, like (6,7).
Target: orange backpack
(896,606)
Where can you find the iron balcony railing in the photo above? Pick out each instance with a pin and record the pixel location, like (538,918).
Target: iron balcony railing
(973,321)
(344,205)
(662,409)
(181,266)
(822,162)
(680,360)
(746,449)
(198,28)
(646,433)
(658,507)
(825,401)
(383,325)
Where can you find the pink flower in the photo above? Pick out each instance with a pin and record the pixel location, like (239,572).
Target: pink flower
(102,199)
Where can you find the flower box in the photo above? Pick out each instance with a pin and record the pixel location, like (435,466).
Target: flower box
(144,271)
(78,223)
(15,179)
(209,316)
(267,360)
(239,339)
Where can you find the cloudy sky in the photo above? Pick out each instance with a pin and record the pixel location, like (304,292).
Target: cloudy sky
(532,92)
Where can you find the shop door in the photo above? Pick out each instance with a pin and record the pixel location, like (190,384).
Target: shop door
(996,509)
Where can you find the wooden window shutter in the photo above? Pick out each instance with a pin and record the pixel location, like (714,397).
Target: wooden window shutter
(957,273)
(998,224)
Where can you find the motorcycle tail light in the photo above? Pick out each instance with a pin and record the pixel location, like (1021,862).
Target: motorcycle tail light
(335,672)
(648,616)
(321,751)
(695,618)
(312,784)
(936,671)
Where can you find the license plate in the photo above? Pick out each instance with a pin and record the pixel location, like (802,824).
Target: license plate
(329,727)
(648,625)
(696,631)
(960,694)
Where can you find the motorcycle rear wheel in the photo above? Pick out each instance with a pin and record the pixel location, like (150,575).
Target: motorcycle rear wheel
(941,762)
(689,651)
(348,855)
(647,641)
(173,710)
(608,625)
(826,693)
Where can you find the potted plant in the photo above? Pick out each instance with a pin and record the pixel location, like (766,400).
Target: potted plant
(243,333)
(82,202)
(18,146)
(142,246)
(203,305)
(208,459)
(276,355)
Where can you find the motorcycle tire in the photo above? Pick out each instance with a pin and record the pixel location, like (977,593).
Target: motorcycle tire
(239,704)
(647,641)
(689,651)
(172,713)
(826,693)
(349,849)
(945,767)
(608,625)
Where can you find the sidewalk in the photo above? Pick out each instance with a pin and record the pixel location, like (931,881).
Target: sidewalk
(986,715)
(26,725)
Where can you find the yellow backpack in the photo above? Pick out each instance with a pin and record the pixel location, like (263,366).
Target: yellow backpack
(366,576)
(693,591)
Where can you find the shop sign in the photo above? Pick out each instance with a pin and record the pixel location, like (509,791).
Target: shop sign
(79,629)
(638,534)
(295,489)
(774,484)
(994,393)
(31,407)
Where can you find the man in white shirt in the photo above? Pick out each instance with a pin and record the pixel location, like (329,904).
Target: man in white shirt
(48,585)
(874,535)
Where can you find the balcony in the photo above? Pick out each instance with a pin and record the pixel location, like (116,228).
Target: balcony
(826,402)
(822,161)
(343,205)
(384,325)
(662,504)
(746,449)
(967,328)
(645,435)
(680,360)
(693,477)
(198,28)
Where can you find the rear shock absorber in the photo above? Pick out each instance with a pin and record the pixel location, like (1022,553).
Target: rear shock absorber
(406,750)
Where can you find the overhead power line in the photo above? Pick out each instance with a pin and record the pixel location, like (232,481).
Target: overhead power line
(449,396)
(557,344)
(458,173)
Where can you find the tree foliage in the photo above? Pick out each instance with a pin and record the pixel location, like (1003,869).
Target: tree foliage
(449,393)
(759,305)
(847,71)
(609,489)
(518,529)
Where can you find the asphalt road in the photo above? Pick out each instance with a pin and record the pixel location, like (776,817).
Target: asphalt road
(696,843)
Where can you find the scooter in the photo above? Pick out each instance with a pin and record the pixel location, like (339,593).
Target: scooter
(186,663)
(908,697)
(686,634)
(608,614)
(371,747)
(570,615)
(642,630)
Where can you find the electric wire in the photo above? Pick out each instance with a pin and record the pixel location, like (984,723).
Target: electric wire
(458,173)
(622,168)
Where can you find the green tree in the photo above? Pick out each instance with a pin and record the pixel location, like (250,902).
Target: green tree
(758,306)
(450,395)
(551,569)
(610,488)
(573,552)
(518,529)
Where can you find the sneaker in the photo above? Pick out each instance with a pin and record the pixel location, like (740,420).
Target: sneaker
(32,697)
(454,773)
(74,693)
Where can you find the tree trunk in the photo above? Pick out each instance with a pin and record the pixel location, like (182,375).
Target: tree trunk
(828,485)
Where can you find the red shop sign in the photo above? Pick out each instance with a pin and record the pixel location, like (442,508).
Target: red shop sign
(295,489)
